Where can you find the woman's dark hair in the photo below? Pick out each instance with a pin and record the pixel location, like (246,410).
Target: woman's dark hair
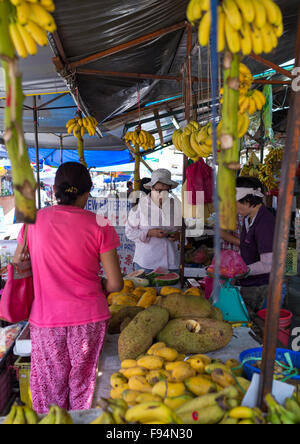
(71,181)
(143,182)
(250,182)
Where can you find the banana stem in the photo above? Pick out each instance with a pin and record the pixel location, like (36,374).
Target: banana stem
(22,174)
(80,149)
(137,181)
(229,155)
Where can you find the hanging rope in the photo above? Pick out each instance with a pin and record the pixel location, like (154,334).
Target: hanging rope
(139,103)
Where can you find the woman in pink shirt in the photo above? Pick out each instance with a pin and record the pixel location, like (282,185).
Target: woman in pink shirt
(69,315)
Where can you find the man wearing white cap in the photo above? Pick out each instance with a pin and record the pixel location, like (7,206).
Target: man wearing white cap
(154,225)
(256,240)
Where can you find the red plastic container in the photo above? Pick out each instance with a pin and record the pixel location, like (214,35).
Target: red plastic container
(285,319)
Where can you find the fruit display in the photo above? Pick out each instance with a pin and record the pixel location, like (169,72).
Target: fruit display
(21,414)
(180,305)
(244,26)
(252,167)
(29,23)
(269,171)
(78,126)
(194,141)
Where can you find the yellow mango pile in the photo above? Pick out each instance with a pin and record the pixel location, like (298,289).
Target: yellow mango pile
(143,296)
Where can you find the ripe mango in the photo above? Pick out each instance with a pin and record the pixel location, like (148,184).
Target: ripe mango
(194,291)
(169,290)
(128,285)
(139,383)
(155,346)
(117,379)
(167,353)
(133,371)
(169,366)
(124,299)
(128,363)
(130,396)
(148,397)
(116,392)
(181,372)
(151,362)
(148,298)
(154,376)
(166,389)
(200,386)
(197,364)
(223,378)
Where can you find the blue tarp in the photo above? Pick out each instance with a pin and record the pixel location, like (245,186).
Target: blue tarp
(92,158)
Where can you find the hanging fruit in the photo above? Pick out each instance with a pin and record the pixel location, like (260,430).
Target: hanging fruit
(141,138)
(243,25)
(78,126)
(23,26)
(269,171)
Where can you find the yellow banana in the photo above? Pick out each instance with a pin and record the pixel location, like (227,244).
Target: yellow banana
(16,2)
(105,418)
(29,42)
(151,411)
(247,9)
(20,416)
(221,31)
(245,39)
(259,99)
(41,16)
(71,127)
(232,13)
(194,11)
(273,36)
(48,5)
(257,42)
(241,413)
(205,5)
(17,40)
(70,122)
(204,29)
(243,124)
(23,12)
(39,34)
(186,146)
(243,104)
(232,37)
(9,419)
(50,417)
(252,106)
(278,30)
(82,131)
(266,39)
(272,11)
(260,13)
(62,416)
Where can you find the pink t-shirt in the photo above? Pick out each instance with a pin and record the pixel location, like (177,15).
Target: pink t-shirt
(65,245)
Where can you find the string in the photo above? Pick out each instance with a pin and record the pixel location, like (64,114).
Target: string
(77,98)
(139,103)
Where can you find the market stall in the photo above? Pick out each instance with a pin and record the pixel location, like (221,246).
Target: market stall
(218,125)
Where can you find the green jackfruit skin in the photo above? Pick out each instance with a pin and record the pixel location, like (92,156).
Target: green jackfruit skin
(115,322)
(180,305)
(138,335)
(213,335)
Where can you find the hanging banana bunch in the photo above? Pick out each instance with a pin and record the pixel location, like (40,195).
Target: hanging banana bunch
(78,126)
(23,26)
(30,20)
(141,138)
(243,25)
(194,141)
(269,171)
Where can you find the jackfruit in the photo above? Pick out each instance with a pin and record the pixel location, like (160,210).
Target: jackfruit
(195,335)
(114,326)
(139,334)
(180,305)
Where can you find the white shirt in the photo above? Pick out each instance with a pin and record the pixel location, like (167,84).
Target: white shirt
(153,252)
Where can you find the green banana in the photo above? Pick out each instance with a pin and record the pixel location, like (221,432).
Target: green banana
(20,416)
(228,420)
(11,415)
(62,416)
(292,405)
(50,418)
(105,418)
(30,415)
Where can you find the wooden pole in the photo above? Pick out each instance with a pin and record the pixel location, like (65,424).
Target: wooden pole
(37,160)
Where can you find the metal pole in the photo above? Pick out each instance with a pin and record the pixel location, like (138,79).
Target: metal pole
(61,148)
(188,99)
(35,120)
(283,219)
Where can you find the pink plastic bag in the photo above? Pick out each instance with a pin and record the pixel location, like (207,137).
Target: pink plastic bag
(231,264)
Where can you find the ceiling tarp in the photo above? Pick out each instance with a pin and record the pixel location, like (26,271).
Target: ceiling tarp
(113,23)
(93,158)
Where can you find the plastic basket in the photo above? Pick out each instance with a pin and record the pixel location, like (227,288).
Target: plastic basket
(249,368)
(22,367)
(291,266)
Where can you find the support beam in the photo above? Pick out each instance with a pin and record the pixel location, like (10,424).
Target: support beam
(271,82)
(124,46)
(141,159)
(272,65)
(281,238)
(129,75)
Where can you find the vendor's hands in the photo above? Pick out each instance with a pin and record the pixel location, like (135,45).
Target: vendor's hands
(156,232)
(174,237)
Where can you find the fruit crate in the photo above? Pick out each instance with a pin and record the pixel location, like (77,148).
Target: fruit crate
(22,367)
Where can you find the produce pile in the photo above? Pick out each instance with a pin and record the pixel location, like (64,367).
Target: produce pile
(243,25)
(22,414)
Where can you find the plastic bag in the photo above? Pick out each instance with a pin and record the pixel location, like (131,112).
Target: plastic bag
(231,264)
(7,337)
